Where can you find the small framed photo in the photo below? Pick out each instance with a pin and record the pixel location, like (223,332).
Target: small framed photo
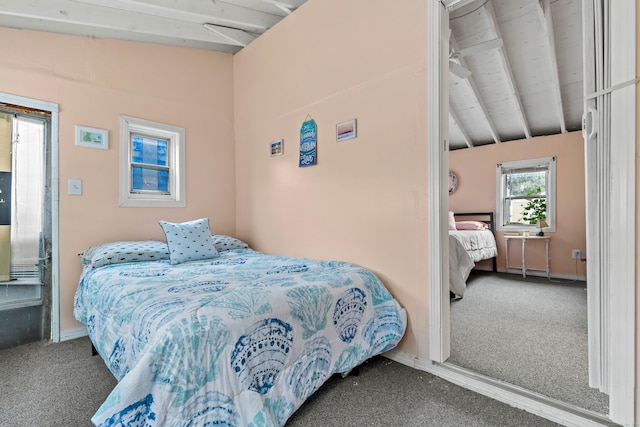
(277,147)
(92,137)
(346,130)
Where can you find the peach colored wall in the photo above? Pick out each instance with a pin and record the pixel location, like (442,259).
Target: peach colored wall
(365,200)
(476,192)
(94,82)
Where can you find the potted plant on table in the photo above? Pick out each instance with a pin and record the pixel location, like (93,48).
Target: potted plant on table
(535,212)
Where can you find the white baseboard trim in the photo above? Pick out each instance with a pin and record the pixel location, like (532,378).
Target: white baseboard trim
(402,358)
(568,277)
(542,406)
(73,334)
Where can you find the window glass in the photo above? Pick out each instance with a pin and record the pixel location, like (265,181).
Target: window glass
(520,189)
(152,164)
(147,179)
(526,183)
(151,151)
(526,194)
(149,164)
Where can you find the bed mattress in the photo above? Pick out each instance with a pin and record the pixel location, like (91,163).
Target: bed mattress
(239,340)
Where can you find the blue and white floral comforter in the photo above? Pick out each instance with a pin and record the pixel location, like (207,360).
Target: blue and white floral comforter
(239,340)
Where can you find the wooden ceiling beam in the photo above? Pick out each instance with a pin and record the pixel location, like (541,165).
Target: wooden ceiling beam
(199,12)
(476,92)
(235,37)
(544,12)
(93,15)
(506,65)
(283,7)
(452,5)
(463,130)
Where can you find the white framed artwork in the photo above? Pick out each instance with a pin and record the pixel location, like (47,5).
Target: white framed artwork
(92,137)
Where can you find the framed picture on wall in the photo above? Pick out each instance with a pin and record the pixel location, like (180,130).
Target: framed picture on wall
(92,137)
(277,147)
(346,130)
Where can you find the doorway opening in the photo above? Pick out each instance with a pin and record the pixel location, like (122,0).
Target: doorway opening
(28,221)
(620,373)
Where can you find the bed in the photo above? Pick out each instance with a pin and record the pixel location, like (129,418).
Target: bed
(471,240)
(241,338)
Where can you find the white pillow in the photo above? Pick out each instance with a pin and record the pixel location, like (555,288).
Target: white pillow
(224,243)
(189,241)
(452,221)
(119,252)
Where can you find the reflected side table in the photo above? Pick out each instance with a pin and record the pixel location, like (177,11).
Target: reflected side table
(524,240)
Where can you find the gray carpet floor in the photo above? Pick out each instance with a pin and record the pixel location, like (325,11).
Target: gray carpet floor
(527,332)
(54,385)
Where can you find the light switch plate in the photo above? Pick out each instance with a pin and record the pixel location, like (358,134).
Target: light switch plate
(75,187)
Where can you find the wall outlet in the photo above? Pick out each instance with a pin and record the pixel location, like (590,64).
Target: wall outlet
(576,253)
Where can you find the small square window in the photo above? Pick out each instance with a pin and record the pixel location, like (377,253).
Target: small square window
(520,186)
(151,164)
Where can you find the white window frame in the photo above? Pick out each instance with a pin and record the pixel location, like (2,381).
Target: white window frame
(175,136)
(550,163)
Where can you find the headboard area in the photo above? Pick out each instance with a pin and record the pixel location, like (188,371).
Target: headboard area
(486,217)
(479,251)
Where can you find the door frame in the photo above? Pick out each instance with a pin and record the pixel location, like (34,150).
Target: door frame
(438,163)
(622,322)
(55,264)
(619,293)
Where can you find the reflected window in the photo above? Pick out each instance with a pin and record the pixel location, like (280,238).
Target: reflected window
(525,194)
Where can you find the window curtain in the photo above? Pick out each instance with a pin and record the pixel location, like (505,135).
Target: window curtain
(28,192)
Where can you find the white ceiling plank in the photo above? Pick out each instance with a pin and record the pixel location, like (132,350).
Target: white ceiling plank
(292,4)
(74,13)
(225,14)
(496,43)
(465,135)
(255,4)
(237,37)
(452,5)
(476,92)
(458,69)
(544,12)
(280,6)
(106,33)
(506,65)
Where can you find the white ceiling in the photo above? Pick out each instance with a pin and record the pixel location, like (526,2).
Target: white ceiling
(526,82)
(225,26)
(531,85)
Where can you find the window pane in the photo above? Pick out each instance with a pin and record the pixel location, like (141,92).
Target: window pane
(147,179)
(514,210)
(151,151)
(526,183)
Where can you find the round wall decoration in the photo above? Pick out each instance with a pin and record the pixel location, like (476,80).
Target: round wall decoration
(453,182)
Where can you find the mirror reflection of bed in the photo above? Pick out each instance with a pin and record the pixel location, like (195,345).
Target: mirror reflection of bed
(505,326)
(471,242)
(529,332)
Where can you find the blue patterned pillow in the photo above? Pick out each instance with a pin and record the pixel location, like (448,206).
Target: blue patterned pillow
(121,252)
(225,243)
(189,241)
